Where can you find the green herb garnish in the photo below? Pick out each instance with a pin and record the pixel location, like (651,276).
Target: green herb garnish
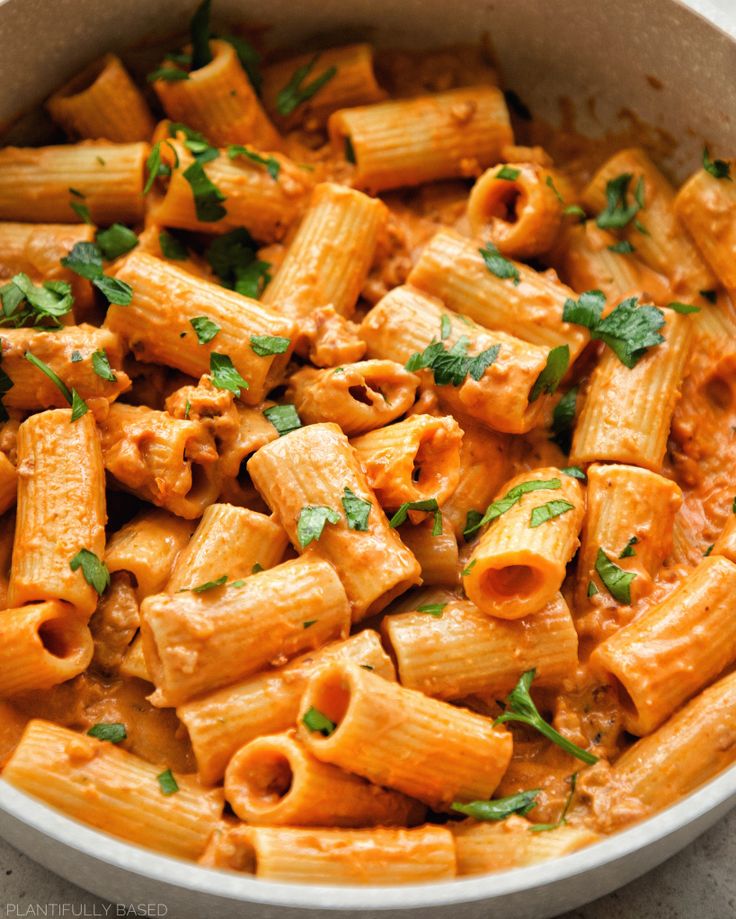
(205,328)
(500,808)
(549,511)
(558,360)
(312,521)
(357,510)
(616,581)
(284,418)
(95,571)
(296,92)
(499,265)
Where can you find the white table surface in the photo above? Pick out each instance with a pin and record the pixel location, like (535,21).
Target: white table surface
(698,883)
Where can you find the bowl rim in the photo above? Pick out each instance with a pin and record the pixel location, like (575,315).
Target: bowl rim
(190,877)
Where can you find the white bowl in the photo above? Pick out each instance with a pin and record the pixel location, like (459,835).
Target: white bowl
(657,59)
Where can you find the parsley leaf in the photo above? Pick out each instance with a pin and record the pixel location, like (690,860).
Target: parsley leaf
(500,808)
(115,290)
(521,707)
(558,360)
(445,327)
(356,509)
(317,722)
(284,418)
(498,265)
(312,521)
(79,406)
(112,731)
(629,549)
(266,345)
(295,93)
(569,209)
(167,783)
(615,579)
(719,169)
(101,366)
(154,165)
(95,571)
(167,74)
(543,827)
(171,247)
(224,375)
(200,33)
(622,247)
(433,609)
(549,511)
(575,472)
(116,241)
(427,504)
(512,497)
(205,328)
(683,308)
(629,330)
(252,278)
(85,259)
(592,589)
(207,196)
(619,212)
(209,585)
(270,163)
(563,420)
(79,207)
(508,173)
(451,367)
(233,259)
(42,304)
(5,384)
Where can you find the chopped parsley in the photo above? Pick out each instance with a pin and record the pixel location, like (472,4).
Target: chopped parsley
(563,419)
(85,259)
(451,367)
(445,327)
(296,91)
(167,74)
(512,497)
(432,609)
(719,169)
(155,167)
(232,257)
(266,345)
(312,521)
(205,328)
(629,550)
(318,723)
(508,174)
(78,205)
(95,571)
(112,731)
(25,303)
(101,366)
(500,808)
(629,330)
(200,33)
(468,568)
(616,581)
(544,827)
(270,163)
(684,308)
(427,504)
(284,418)
(558,360)
(619,211)
(357,510)
(116,241)
(521,707)
(499,265)
(167,783)
(207,196)
(549,511)
(573,210)
(592,589)
(79,406)
(622,247)
(209,585)
(224,375)
(171,247)
(575,472)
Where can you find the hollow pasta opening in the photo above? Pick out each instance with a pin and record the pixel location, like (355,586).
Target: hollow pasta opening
(511,581)
(505,204)
(266,776)
(58,638)
(362,393)
(624,698)
(83,81)
(331,696)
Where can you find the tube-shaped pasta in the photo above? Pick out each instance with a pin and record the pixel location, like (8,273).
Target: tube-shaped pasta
(353,83)
(265,206)
(437,555)
(692,747)
(165,460)
(412,460)
(359,397)
(219,100)
(37,249)
(61,509)
(40,184)
(147,547)
(69,353)
(7,533)
(157,324)
(519,563)
(461,651)
(629,510)
(197,642)
(484,467)
(705,205)
(451,268)
(406,321)
(96,782)
(229,541)
(43,644)
(412,141)
(220,723)
(382,855)
(328,259)
(517,210)
(275,781)
(674,649)
(586,261)
(626,414)
(102,101)
(402,739)
(484,847)
(726,543)
(664,245)
(8,484)
(315,466)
